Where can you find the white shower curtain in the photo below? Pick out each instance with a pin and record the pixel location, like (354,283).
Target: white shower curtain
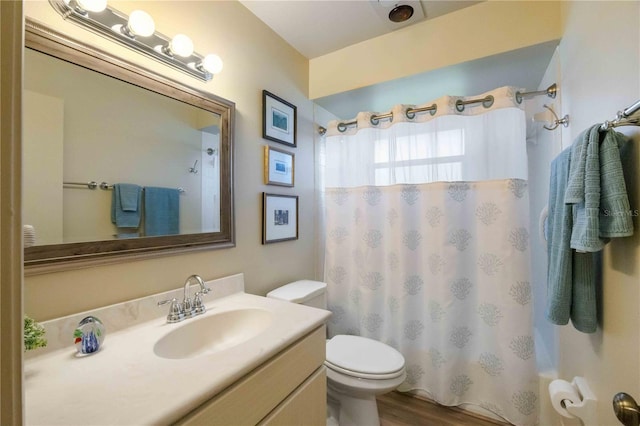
(427,249)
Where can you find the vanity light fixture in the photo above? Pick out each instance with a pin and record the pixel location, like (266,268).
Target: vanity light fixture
(180,45)
(138,32)
(212,64)
(89,5)
(140,23)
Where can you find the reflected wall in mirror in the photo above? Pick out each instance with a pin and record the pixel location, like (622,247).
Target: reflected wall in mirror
(89,116)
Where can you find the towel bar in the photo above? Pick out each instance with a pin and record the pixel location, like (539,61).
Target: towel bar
(106,186)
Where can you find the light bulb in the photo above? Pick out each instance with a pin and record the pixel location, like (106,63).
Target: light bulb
(141,24)
(181,45)
(92,5)
(212,63)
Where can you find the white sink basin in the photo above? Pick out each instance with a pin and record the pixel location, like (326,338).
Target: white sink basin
(212,333)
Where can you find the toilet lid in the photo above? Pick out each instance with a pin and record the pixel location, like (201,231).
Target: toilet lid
(298,291)
(360,357)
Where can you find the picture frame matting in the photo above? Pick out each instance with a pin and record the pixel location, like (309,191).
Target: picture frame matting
(279,119)
(279,218)
(279,167)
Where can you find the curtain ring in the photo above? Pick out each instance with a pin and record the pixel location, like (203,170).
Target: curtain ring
(342,127)
(488,101)
(518,97)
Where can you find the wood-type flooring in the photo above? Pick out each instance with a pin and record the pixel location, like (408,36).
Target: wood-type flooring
(397,409)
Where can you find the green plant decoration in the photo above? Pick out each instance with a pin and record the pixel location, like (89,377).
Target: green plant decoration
(33,334)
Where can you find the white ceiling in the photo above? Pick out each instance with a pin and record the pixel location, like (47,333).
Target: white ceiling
(318,27)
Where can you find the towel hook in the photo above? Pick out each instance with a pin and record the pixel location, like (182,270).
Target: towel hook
(193,169)
(557,121)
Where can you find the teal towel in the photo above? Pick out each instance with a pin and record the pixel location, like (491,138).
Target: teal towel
(571,290)
(597,190)
(125,235)
(579,150)
(583,190)
(615,217)
(125,205)
(161,211)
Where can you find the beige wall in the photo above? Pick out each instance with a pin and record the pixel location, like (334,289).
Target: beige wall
(600,75)
(485,29)
(254,59)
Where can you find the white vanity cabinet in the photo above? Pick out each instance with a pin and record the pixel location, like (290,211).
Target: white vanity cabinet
(289,389)
(275,377)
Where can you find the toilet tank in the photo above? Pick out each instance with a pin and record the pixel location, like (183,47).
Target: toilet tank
(304,292)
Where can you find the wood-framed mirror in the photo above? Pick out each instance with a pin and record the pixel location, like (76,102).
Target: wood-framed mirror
(177,140)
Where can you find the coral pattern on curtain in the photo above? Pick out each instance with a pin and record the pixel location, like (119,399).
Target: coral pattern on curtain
(438,270)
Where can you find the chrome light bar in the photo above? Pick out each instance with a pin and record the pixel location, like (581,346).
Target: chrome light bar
(113,24)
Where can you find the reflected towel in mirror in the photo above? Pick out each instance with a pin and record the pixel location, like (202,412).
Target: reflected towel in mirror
(161,211)
(125,205)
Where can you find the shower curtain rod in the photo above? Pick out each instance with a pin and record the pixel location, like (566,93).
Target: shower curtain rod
(623,118)
(487,102)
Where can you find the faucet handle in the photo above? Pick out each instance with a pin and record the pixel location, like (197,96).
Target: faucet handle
(198,306)
(176,313)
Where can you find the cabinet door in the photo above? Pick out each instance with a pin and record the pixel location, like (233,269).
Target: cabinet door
(306,406)
(259,393)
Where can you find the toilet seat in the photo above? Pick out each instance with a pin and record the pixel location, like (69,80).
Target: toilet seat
(363,358)
(359,375)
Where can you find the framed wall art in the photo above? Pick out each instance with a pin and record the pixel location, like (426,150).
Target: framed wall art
(279,218)
(279,119)
(279,167)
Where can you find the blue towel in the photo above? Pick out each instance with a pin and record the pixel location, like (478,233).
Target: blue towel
(125,205)
(161,211)
(125,235)
(597,189)
(571,277)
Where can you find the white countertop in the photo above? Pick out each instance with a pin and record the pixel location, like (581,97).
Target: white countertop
(125,383)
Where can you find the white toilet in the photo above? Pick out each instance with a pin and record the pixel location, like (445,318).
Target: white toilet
(358,368)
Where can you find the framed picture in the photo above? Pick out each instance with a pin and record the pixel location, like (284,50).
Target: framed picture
(279,218)
(279,167)
(279,119)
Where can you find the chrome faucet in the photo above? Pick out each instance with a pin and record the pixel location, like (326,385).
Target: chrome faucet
(187,309)
(195,308)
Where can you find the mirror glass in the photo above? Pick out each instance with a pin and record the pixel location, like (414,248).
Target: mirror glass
(81,127)
(117,159)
